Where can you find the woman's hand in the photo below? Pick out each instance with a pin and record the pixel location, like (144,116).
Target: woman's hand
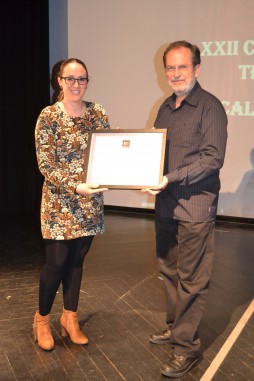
(88,189)
(161,186)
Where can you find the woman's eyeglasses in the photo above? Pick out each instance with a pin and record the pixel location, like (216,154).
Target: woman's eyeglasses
(72,80)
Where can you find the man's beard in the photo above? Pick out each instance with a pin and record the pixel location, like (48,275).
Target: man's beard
(184,91)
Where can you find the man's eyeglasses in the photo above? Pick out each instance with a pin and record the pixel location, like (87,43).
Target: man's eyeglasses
(72,80)
(181,68)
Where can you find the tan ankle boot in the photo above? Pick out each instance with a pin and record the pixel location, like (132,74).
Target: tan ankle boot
(70,326)
(42,332)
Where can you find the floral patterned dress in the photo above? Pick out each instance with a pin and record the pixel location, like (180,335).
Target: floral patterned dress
(61,143)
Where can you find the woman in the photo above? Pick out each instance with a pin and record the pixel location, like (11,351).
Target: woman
(71,210)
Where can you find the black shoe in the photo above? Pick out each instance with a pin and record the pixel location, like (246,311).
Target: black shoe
(178,366)
(160,337)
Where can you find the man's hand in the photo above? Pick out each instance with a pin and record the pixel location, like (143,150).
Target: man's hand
(88,189)
(161,186)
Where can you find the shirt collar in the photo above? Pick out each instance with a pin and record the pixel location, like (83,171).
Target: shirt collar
(192,97)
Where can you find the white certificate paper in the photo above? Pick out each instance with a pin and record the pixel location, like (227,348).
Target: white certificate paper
(127,159)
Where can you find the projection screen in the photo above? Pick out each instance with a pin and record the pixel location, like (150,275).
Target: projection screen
(122,43)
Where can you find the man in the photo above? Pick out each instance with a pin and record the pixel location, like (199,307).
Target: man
(186,202)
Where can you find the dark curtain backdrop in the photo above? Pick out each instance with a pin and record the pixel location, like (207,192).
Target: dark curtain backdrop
(25,90)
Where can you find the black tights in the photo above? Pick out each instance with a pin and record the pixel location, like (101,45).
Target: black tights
(64,263)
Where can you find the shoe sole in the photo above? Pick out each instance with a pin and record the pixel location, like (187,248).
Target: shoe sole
(175,375)
(159,342)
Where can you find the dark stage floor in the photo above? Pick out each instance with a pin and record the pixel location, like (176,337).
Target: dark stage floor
(121,302)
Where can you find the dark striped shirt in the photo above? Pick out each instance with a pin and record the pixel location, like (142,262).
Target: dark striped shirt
(195,150)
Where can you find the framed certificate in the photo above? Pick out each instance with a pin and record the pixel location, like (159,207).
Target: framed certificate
(125,159)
